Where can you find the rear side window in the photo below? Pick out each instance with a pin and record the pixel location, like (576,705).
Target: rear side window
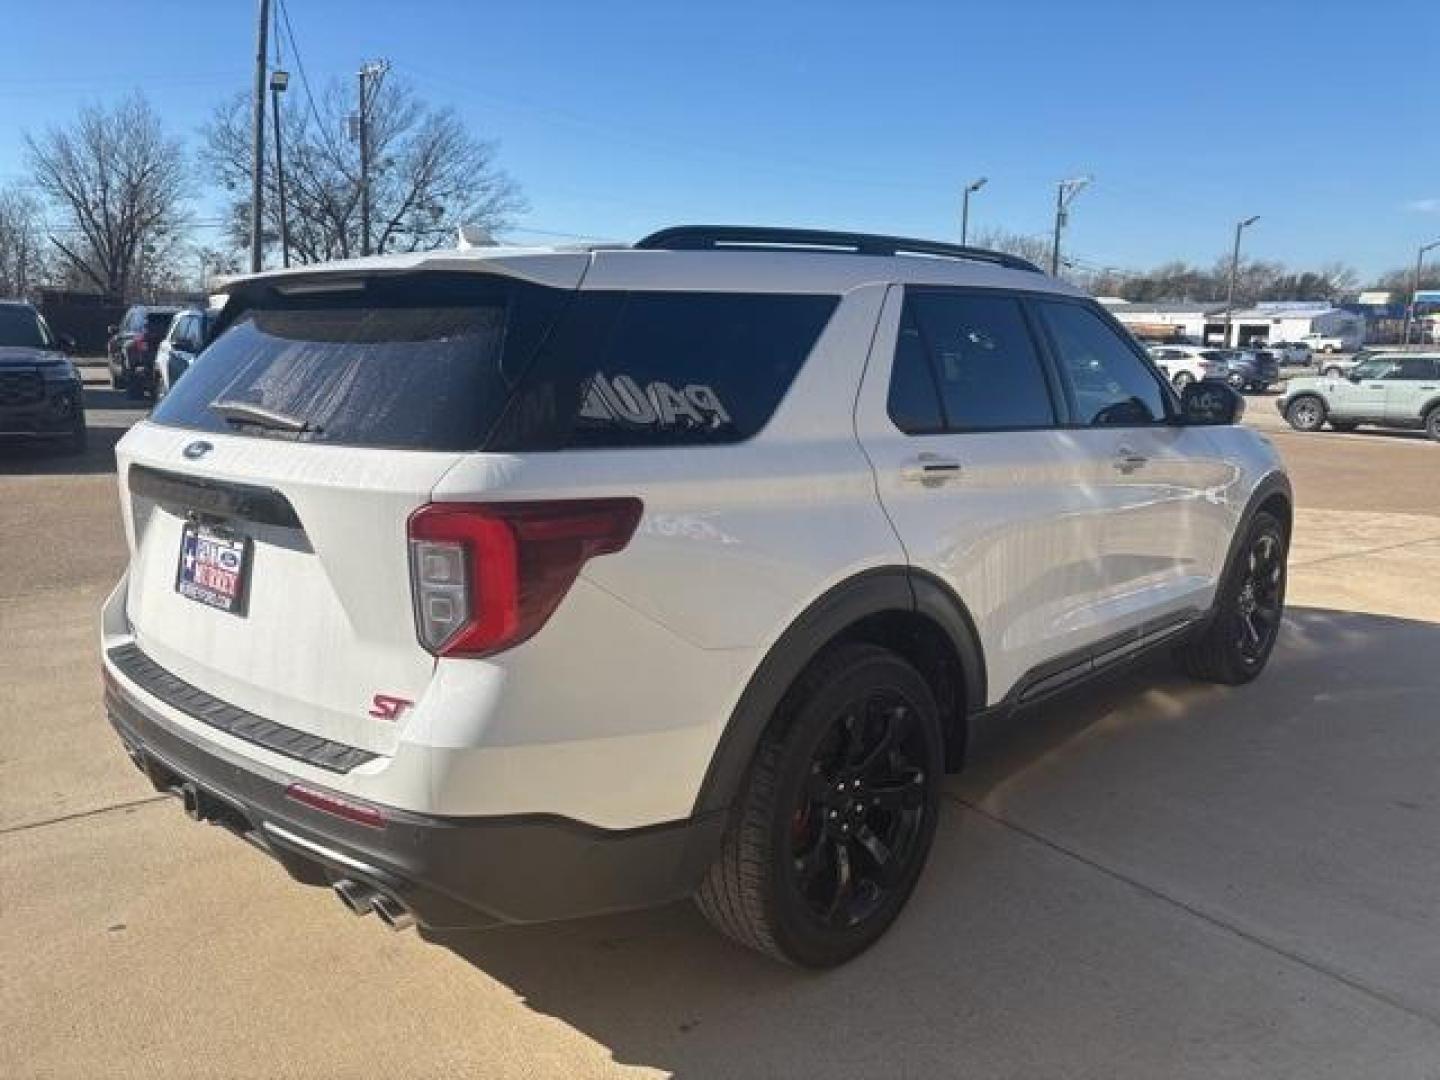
(663,369)
(1111,384)
(982,363)
(158,323)
(1414,367)
(425,363)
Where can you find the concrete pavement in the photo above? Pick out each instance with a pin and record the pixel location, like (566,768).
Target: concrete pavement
(1152,879)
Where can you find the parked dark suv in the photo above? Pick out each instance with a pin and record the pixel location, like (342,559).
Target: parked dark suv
(40,389)
(133,345)
(1246,369)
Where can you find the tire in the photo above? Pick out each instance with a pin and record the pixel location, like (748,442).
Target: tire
(1305,413)
(1344,425)
(1236,381)
(117,379)
(1181,380)
(780,884)
(1249,607)
(1432,423)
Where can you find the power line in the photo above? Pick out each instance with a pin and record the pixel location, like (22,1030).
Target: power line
(299,64)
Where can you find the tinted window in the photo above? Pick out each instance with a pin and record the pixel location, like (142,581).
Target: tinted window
(1111,385)
(158,322)
(418,363)
(914,403)
(19,327)
(663,369)
(1413,367)
(982,358)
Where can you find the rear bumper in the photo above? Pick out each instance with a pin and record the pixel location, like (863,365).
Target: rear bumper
(55,414)
(449,873)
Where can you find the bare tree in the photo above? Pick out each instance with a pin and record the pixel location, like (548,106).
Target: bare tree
(118,181)
(22,244)
(428,174)
(1034,248)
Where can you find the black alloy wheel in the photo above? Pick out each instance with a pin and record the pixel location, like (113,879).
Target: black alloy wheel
(834,822)
(1237,642)
(856,825)
(1261,599)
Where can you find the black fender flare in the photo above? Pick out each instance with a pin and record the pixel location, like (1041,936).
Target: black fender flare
(872,592)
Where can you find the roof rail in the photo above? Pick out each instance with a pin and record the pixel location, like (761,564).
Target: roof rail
(822,241)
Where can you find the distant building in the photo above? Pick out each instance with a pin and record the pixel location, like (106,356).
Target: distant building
(1203,322)
(1194,322)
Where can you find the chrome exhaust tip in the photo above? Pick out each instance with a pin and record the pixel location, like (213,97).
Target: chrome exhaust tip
(360,899)
(392,913)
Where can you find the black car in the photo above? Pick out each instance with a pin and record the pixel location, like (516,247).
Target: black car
(133,345)
(40,389)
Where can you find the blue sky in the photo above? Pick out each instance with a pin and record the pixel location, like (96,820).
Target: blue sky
(619,117)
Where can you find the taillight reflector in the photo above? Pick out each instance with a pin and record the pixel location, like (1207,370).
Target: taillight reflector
(338,805)
(487,576)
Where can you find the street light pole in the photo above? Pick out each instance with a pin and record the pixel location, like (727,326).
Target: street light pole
(257,140)
(1065,193)
(965,208)
(279,80)
(1240,226)
(1419,266)
(374,70)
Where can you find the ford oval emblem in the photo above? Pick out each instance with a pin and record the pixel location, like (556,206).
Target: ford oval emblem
(196,450)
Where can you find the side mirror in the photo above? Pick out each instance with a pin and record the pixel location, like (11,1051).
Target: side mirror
(1208,403)
(66,342)
(112,330)
(1353,377)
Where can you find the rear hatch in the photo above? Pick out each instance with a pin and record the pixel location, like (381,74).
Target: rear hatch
(269,494)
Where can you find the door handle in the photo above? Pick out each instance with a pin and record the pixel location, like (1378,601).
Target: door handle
(1128,460)
(930,469)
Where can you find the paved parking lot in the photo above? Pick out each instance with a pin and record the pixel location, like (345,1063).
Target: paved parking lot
(1156,879)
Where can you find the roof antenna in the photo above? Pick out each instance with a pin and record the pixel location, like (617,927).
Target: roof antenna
(473,236)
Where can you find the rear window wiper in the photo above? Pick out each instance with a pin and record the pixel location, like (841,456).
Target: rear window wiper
(247,412)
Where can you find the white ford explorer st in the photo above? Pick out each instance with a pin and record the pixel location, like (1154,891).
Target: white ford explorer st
(508,585)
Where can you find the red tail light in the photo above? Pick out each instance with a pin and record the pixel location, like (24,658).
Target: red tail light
(486,576)
(330,803)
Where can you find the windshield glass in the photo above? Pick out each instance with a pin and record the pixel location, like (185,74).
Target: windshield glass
(408,366)
(20,327)
(1372,369)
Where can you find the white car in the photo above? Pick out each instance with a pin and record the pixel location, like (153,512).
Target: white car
(510,585)
(1328,343)
(1186,364)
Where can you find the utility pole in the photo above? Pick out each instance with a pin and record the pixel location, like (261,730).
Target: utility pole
(965,208)
(374,70)
(1410,308)
(1065,193)
(279,80)
(257,143)
(1240,226)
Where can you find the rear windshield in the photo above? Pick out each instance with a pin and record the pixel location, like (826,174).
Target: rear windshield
(425,364)
(20,328)
(457,363)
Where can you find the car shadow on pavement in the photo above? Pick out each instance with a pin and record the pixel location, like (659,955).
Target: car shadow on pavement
(109,414)
(1079,915)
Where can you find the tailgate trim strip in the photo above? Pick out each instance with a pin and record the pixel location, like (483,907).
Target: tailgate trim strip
(198,705)
(219,498)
